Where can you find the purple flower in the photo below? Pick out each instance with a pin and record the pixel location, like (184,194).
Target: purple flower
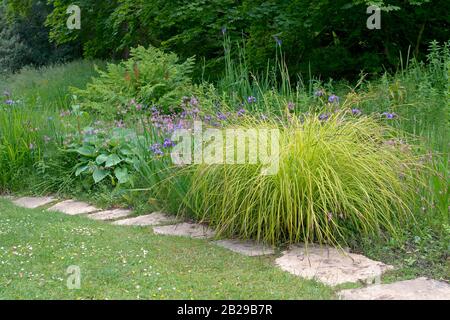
(9,102)
(139,107)
(356,112)
(241,112)
(278,41)
(319,93)
(156,149)
(221,116)
(291,106)
(169,126)
(324,116)
(207,118)
(193,101)
(251,99)
(389,115)
(179,125)
(154,110)
(333,99)
(168,143)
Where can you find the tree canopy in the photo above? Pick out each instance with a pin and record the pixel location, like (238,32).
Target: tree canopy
(325,37)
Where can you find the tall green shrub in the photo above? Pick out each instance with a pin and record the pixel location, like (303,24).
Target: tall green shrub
(150,77)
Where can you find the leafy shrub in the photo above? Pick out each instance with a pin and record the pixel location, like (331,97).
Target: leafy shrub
(338,176)
(149,77)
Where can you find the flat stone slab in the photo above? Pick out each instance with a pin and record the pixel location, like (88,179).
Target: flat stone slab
(72,207)
(33,202)
(248,248)
(185,229)
(330,265)
(417,289)
(110,214)
(152,219)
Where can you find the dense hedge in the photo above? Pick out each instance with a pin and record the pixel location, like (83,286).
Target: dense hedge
(328,38)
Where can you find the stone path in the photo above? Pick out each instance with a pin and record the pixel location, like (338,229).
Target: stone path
(33,202)
(329,265)
(185,229)
(417,289)
(325,264)
(248,248)
(72,207)
(152,219)
(110,214)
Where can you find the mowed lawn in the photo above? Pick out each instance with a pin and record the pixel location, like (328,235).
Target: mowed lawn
(116,262)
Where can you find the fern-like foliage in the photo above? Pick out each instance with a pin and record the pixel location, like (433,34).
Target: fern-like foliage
(150,77)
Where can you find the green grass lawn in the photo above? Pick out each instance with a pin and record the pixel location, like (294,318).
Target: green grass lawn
(116,262)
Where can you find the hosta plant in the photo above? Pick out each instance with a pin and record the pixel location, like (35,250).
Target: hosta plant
(107,155)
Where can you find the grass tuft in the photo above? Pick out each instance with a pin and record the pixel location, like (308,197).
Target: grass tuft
(343,176)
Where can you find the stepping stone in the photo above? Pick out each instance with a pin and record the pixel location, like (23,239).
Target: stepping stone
(192,230)
(33,202)
(72,207)
(330,265)
(152,219)
(417,289)
(110,214)
(248,248)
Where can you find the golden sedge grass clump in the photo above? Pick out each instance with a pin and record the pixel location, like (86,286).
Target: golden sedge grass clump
(338,178)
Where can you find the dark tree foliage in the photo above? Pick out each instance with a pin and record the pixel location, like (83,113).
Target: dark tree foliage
(25,40)
(12,50)
(324,37)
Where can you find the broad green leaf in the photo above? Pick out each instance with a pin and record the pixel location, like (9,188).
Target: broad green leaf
(112,160)
(86,151)
(101,159)
(122,175)
(126,151)
(81,169)
(99,174)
